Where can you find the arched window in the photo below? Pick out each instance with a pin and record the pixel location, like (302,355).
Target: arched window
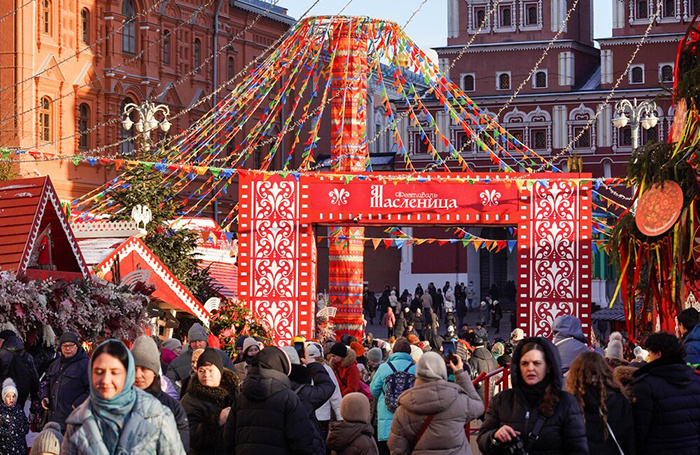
(45,119)
(637,75)
(532,15)
(129,30)
(468,84)
(127,146)
(85,24)
(506,17)
(669,8)
(83,126)
(642,9)
(503,81)
(541,79)
(229,69)
(666,73)
(46,16)
(166,47)
(197,54)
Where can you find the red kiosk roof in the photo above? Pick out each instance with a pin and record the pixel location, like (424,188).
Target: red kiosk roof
(133,256)
(29,210)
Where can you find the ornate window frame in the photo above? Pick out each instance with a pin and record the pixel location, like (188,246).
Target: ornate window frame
(661,67)
(630,76)
(497,27)
(579,117)
(523,25)
(498,80)
(472,25)
(546,79)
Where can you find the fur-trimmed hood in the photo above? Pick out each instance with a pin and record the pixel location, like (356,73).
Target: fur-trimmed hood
(349,359)
(222,396)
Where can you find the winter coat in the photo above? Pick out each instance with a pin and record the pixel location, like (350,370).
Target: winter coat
(150,429)
(203,406)
(351,438)
(348,374)
(419,322)
(323,414)
(183,426)
(181,367)
(666,407)
(482,361)
(401,323)
(563,433)
(400,360)
(389,320)
(569,340)
(14,427)
(21,369)
(69,386)
(453,404)
(270,418)
(692,346)
(427,301)
(313,390)
(619,418)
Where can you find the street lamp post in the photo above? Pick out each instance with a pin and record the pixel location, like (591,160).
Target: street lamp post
(147,120)
(639,114)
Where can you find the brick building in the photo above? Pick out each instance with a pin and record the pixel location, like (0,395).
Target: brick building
(565,92)
(68,65)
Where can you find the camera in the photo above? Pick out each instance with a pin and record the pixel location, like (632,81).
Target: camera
(515,446)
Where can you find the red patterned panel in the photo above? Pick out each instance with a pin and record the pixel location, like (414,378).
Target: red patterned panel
(554,255)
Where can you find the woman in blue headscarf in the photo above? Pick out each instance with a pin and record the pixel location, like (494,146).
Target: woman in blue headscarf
(119,418)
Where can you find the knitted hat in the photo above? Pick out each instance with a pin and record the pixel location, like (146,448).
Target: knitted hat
(249,342)
(8,386)
(413,339)
(616,336)
(69,337)
(340,350)
(239,341)
(196,333)
(5,334)
(416,352)
(355,408)
(375,355)
(212,357)
(314,349)
(48,441)
(431,367)
(171,344)
(146,354)
(614,350)
(292,354)
(402,345)
(517,335)
(358,348)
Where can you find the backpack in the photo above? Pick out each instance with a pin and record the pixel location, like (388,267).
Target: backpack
(395,384)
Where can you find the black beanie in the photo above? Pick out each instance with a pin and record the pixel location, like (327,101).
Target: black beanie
(69,337)
(5,334)
(273,358)
(212,357)
(340,350)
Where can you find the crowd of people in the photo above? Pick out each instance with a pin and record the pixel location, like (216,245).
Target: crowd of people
(399,395)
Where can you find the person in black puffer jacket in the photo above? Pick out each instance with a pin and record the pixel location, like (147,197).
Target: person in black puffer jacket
(537,391)
(313,386)
(147,363)
(269,417)
(21,369)
(208,402)
(666,400)
(68,380)
(604,406)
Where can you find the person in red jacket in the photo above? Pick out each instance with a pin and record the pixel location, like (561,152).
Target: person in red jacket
(344,364)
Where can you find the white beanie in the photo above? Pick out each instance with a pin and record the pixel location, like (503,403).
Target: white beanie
(8,386)
(614,350)
(416,353)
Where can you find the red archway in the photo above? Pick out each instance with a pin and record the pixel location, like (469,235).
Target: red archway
(277,249)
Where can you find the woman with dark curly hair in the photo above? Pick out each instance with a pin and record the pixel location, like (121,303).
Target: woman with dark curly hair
(608,414)
(666,400)
(535,413)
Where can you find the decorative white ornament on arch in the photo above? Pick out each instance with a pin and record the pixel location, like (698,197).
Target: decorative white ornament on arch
(489,197)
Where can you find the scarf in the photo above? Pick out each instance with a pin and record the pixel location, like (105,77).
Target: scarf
(533,393)
(111,414)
